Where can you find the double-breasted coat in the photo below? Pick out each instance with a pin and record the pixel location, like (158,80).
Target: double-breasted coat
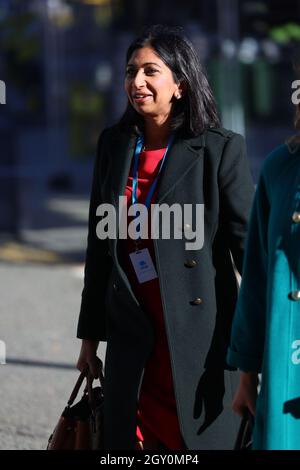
(209,169)
(266,326)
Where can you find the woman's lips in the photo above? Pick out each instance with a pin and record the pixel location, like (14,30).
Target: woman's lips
(143,99)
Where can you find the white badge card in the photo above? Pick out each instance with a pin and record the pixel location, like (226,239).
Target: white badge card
(143,265)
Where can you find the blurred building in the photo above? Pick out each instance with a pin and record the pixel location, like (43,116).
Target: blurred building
(63,65)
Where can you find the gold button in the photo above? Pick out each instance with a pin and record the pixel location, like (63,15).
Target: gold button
(296,217)
(196,301)
(295,295)
(190,263)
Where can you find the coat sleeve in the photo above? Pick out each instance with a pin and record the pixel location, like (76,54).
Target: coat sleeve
(236,192)
(236,197)
(98,264)
(248,329)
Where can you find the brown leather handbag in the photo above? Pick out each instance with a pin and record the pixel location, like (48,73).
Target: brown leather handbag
(80,426)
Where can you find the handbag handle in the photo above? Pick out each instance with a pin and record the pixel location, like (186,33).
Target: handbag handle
(89,386)
(77,386)
(246,427)
(85,373)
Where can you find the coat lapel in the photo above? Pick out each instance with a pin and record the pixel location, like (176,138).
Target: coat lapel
(181,156)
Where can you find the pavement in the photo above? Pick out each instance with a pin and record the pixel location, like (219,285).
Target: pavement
(41,278)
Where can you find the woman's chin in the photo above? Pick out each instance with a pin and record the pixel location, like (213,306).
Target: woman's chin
(144,111)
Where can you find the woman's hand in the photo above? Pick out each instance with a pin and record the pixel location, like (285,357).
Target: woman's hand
(246,395)
(88,357)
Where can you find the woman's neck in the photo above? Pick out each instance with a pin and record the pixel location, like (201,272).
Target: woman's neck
(156,135)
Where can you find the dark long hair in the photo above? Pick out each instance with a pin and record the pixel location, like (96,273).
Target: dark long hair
(196,110)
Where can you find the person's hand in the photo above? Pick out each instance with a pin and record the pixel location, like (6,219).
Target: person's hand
(209,397)
(88,357)
(246,395)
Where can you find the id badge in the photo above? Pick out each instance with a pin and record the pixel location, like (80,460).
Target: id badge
(143,265)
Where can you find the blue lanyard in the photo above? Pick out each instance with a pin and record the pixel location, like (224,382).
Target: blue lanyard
(138,149)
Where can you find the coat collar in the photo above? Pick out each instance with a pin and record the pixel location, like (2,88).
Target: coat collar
(181,156)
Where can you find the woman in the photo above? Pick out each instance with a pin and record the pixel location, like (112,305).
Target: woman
(266,326)
(166,337)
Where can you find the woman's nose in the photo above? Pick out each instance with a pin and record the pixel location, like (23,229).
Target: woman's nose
(139,79)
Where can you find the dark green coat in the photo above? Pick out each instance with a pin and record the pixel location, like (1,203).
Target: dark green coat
(209,169)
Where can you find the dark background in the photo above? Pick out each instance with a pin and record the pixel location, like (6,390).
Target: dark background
(63,65)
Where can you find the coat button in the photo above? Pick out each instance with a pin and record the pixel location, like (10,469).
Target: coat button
(296,217)
(196,301)
(190,263)
(115,286)
(295,295)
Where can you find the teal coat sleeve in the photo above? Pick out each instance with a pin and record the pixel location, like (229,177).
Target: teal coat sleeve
(248,328)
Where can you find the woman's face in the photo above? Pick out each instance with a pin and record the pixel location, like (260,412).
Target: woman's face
(147,75)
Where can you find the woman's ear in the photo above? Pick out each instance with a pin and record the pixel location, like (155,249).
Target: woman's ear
(182,88)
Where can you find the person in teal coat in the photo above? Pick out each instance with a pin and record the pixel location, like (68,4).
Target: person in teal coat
(266,327)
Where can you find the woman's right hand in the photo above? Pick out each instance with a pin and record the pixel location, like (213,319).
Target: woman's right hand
(88,357)
(246,395)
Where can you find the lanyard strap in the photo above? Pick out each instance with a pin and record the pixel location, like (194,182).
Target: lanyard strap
(137,152)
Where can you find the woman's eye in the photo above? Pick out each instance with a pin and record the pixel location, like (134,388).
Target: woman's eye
(151,71)
(131,72)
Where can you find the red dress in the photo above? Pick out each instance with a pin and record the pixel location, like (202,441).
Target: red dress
(157,407)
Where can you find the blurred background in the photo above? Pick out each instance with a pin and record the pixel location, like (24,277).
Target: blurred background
(62,63)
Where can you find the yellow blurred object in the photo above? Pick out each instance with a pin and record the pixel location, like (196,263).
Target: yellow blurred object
(95,2)
(18,253)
